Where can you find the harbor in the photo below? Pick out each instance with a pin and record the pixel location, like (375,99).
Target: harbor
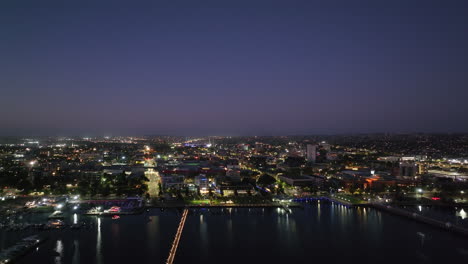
(148,237)
(21,248)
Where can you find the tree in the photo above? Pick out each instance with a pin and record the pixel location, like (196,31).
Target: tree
(160,189)
(398,195)
(121,184)
(179,194)
(39,182)
(25,186)
(280,189)
(265,180)
(105,190)
(60,188)
(94,187)
(83,188)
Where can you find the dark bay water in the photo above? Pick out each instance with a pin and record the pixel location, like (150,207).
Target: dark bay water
(322,231)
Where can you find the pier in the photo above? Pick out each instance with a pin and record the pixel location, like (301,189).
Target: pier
(175,244)
(266,205)
(423,219)
(331,199)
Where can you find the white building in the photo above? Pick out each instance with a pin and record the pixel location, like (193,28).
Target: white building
(311,153)
(202,182)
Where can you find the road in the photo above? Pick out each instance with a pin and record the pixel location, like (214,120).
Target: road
(153,187)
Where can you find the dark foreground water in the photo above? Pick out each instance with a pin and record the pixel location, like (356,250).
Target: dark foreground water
(322,232)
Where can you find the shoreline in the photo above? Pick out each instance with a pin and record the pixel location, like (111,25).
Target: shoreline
(448,226)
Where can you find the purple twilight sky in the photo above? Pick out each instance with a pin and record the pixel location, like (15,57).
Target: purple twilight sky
(233,67)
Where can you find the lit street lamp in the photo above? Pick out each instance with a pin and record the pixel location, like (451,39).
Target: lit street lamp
(420,191)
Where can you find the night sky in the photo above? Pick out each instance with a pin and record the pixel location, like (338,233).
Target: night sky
(233,67)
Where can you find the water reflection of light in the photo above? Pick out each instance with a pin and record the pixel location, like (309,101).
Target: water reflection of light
(318,211)
(152,230)
(462,214)
(201,218)
(204,235)
(342,213)
(98,244)
(75,219)
(76,252)
(229,237)
(59,249)
(420,208)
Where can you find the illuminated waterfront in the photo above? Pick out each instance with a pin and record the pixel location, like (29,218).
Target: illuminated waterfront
(320,230)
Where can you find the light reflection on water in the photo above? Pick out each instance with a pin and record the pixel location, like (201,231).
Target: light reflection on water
(152,234)
(76,252)
(318,211)
(462,214)
(229,232)
(321,228)
(59,250)
(99,242)
(204,235)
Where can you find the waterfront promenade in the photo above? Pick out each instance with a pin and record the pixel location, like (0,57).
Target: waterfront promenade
(420,218)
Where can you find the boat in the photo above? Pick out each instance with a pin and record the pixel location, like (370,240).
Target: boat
(57,215)
(113,209)
(55,224)
(94,211)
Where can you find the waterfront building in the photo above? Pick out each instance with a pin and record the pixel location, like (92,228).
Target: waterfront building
(172,181)
(302,180)
(202,183)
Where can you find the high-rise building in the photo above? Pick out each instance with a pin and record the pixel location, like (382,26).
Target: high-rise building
(202,182)
(408,169)
(311,153)
(325,146)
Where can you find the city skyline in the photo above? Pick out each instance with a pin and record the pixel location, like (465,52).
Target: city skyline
(265,131)
(234,68)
